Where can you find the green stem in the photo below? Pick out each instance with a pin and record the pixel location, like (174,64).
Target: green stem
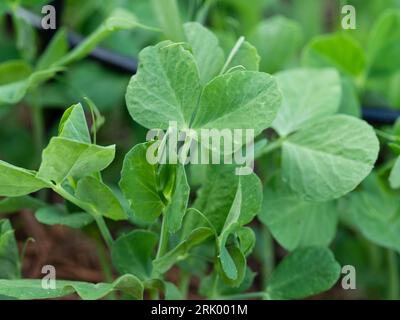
(105,232)
(232,54)
(105,266)
(394,289)
(164,238)
(270,147)
(38,125)
(268,259)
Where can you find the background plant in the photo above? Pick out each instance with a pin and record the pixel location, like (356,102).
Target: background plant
(312,151)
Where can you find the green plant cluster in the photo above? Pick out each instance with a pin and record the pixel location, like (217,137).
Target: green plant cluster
(314,192)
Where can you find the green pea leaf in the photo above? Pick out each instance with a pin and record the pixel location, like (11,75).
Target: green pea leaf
(139,184)
(339,51)
(374,211)
(64,158)
(181,251)
(308,95)
(247,56)
(384,44)
(241,99)
(247,240)
(328,159)
(165,88)
(100,197)
(133,252)
(294,221)
(231,259)
(217,194)
(28,289)
(277,40)
(15,204)
(15,181)
(73,125)
(9,256)
(206,50)
(172,292)
(303,273)
(58,215)
(176,208)
(57,49)
(210,290)
(350,103)
(16,77)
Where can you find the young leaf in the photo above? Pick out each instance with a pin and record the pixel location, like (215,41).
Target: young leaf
(16,77)
(232,265)
(383,45)
(165,88)
(139,184)
(9,256)
(73,125)
(133,252)
(64,157)
(241,99)
(100,197)
(176,209)
(339,51)
(206,50)
(15,181)
(277,40)
(303,273)
(119,19)
(328,159)
(28,289)
(180,252)
(350,103)
(216,196)
(308,95)
(53,215)
(247,240)
(296,222)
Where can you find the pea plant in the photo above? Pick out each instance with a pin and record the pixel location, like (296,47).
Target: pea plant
(200,219)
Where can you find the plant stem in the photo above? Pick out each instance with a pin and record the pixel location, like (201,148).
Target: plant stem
(242,296)
(105,232)
(232,54)
(268,259)
(38,125)
(394,289)
(270,147)
(184,283)
(163,244)
(104,264)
